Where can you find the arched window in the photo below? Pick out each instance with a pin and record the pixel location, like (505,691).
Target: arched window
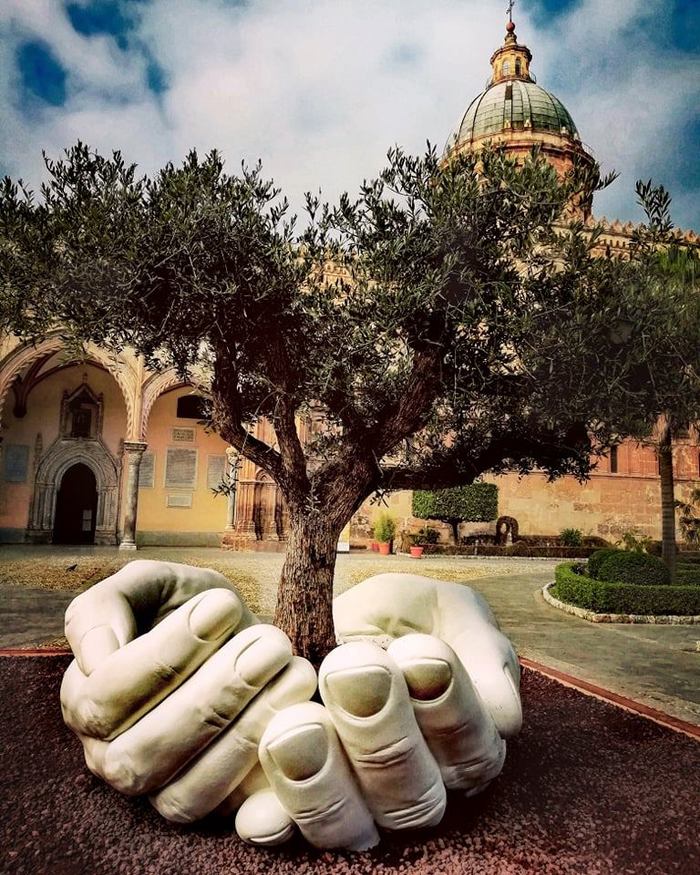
(518,67)
(505,69)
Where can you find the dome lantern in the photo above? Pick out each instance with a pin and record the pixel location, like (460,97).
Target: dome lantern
(511,60)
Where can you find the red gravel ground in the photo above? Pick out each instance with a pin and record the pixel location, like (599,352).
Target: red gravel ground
(587,788)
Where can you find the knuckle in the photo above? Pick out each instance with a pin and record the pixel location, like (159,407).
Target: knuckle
(90,719)
(118,771)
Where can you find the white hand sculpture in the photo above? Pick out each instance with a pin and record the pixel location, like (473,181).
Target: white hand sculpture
(427,713)
(168,713)
(179,711)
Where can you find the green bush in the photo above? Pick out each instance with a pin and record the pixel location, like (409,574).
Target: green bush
(687,574)
(571,537)
(595,560)
(384,528)
(639,568)
(428,535)
(623,598)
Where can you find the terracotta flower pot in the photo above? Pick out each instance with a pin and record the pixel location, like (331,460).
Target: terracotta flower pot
(384,548)
(416,552)
(374,546)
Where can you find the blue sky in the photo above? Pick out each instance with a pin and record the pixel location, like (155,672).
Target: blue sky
(320,89)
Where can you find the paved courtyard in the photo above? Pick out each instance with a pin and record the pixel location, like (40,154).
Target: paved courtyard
(656,665)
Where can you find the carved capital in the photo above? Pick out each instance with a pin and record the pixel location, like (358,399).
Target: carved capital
(136,447)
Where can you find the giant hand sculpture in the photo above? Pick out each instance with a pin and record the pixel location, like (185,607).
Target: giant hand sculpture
(183,711)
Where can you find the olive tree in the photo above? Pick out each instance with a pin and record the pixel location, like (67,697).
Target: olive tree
(447,321)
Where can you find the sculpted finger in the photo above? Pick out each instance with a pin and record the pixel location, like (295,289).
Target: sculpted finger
(493,667)
(138,596)
(455,723)
(308,771)
(213,775)
(148,754)
(368,701)
(262,821)
(98,624)
(253,782)
(136,677)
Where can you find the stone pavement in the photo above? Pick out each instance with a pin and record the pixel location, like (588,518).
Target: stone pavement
(655,665)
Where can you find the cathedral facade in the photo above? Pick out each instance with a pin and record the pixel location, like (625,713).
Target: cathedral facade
(102,451)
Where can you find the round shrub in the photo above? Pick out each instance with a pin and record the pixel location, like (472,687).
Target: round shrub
(595,560)
(624,566)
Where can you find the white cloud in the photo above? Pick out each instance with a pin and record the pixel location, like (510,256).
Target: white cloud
(320,90)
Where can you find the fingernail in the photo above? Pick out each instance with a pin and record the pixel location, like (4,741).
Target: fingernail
(95,646)
(300,753)
(427,678)
(361,692)
(264,658)
(215,615)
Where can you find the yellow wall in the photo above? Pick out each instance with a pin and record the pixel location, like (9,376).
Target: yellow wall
(43,417)
(208,512)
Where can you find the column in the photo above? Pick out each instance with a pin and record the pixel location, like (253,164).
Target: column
(133,451)
(232,459)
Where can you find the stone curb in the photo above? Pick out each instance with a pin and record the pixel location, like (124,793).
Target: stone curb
(593,617)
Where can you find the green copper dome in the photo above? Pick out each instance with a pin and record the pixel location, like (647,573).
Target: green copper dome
(512,105)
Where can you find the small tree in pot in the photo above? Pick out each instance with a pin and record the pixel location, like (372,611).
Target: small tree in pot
(384,532)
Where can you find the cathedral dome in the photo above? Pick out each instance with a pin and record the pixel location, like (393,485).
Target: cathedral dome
(517,113)
(514,105)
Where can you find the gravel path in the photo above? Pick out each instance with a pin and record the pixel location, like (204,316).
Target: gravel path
(587,789)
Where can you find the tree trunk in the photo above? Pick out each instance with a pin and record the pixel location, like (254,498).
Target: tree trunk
(668,505)
(455,530)
(305,595)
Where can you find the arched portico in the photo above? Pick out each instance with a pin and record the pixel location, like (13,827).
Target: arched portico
(63,454)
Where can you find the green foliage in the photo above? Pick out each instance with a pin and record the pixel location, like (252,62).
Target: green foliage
(475,503)
(571,537)
(623,598)
(623,566)
(634,542)
(427,535)
(689,519)
(687,573)
(384,527)
(595,560)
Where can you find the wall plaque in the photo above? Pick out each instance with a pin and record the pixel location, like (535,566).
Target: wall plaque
(181,467)
(15,463)
(183,435)
(147,471)
(216,468)
(182,500)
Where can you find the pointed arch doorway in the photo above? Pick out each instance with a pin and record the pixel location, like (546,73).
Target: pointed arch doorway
(76,507)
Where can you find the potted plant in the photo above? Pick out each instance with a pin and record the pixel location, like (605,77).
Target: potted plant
(416,551)
(384,531)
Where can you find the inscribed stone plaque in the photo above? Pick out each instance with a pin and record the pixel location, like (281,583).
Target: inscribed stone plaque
(16,463)
(147,471)
(183,435)
(182,500)
(216,466)
(180,467)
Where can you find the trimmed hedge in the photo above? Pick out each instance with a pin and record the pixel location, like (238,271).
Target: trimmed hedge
(517,549)
(623,566)
(595,560)
(687,575)
(623,598)
(476,503)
